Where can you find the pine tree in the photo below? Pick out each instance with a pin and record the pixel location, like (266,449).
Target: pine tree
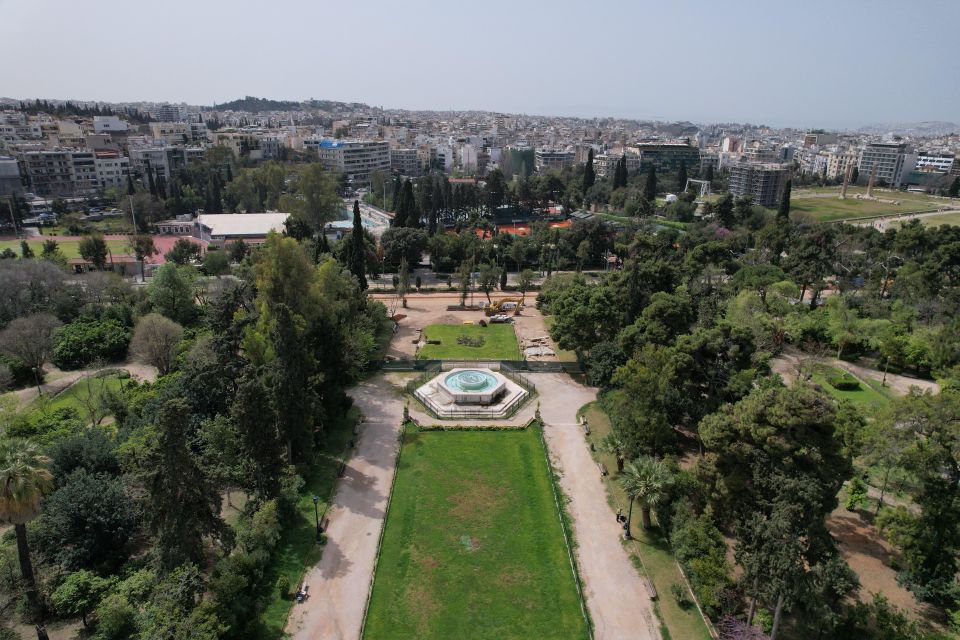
(783,213)
(358,257)
(650,188)
(589,177)
(682,176)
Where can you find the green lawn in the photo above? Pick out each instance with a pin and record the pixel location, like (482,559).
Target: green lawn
(473,546)
(73,396)
(941,219)
(870,396)
(499,342)
(650,547)
(297,549)
(69,248)
(828,209)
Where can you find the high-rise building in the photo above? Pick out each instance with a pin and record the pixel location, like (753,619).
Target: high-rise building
(889,159)
(355,158)
(763,182)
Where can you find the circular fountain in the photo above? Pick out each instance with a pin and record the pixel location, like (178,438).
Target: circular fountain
(473,386)
(477,393)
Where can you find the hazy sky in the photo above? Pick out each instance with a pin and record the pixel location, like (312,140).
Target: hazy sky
(829,63)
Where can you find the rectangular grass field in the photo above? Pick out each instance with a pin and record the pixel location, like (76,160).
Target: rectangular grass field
(499,342)
(69,248)
(825,205)
(473,547)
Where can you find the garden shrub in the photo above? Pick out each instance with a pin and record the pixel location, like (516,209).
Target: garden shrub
(844,382)
(84,341)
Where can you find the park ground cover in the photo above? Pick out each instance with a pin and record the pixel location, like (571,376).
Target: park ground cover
(499,342)
(69,248)
(650,550)
(825,205)
(941,219)
(870,396)
(473,546)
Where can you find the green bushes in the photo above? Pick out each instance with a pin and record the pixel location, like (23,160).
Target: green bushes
(84,341)
(844,382)
(20,373)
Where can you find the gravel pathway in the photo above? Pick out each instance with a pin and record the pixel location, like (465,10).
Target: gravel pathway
(339,583)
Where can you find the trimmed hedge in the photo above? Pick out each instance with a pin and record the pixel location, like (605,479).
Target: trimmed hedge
(844,382)
(84,340)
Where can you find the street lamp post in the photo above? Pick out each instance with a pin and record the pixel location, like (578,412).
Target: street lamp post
(316,513)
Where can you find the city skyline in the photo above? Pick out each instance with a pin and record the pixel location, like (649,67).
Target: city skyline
(693,61)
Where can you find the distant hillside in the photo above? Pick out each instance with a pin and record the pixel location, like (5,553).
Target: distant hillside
(255,105)
(933,128)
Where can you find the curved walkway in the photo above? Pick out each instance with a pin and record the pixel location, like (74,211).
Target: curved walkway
(788,363)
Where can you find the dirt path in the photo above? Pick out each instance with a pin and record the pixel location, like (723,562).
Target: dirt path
(616,597)
(788,364)
(339,583)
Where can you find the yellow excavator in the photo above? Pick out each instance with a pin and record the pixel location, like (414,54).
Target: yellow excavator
(505,305)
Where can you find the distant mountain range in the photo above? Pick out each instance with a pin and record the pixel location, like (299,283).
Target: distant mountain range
(931,128)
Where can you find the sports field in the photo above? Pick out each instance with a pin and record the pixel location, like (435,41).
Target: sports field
(493,342)
(473,546)
(824,203)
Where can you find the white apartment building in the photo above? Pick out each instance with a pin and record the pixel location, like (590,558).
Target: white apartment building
(930,161)
(838,161)
(109,124)
(112,169)
(468,158)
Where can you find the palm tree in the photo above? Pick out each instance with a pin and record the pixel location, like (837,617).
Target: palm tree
(645,480)
(24,480)
(614,445)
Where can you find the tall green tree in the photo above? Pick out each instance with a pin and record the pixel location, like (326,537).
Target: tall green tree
(24,480)
(783,212)
(650,186)
(184,506)
(93,249)
(589,175)
(358,257)
(682,176)
(954,191)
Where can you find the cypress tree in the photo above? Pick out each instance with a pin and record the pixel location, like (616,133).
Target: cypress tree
(589,177)
(650,188)
(708,176)
(855,175)
(783,213)
(130,188)
(954,191)
(358,257)
(229,173)
(151,185)
(682,176)
(397,188)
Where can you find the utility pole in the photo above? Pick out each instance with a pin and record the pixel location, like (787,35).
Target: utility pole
(133,214)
